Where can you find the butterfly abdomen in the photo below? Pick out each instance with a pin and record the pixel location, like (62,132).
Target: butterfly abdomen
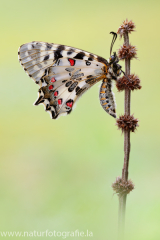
(106,97)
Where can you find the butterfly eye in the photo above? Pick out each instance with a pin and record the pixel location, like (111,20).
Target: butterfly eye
(112,59)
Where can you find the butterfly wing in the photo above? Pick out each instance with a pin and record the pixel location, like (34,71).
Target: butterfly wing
(62,72)
(36,57)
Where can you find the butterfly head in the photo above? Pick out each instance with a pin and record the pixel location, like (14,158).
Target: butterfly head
(115,68)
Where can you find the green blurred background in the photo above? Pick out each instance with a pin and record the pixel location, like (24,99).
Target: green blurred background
(57,175)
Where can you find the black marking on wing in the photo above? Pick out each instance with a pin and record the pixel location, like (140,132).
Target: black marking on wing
(77,76)
(77,89)
(57,62)
(40,100)
(89,76)
(49,46)
(53,115)
(46,57)
(68,112)
(68,83)
(80,55)
(88,63)
(45,72)
(48,107)
(69,69)
(81,90)
(91,57)
(58,52)
(72,87)
(61,47)
(70,51)
(91,81)
(103,60)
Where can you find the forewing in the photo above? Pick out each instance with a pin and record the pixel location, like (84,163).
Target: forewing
(37,57)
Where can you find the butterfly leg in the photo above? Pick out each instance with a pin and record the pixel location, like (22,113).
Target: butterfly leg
(106,97)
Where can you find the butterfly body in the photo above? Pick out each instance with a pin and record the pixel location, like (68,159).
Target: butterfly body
(64,73)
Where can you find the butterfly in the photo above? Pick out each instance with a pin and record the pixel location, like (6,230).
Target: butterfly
(64,73)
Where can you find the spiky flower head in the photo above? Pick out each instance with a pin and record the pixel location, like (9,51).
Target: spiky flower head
(127,123)
(127,52)
(122,187)
(126,27)
(131,82)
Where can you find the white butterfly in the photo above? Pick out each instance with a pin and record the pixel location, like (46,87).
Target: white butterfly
(64,73)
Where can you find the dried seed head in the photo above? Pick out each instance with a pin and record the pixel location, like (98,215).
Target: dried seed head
(127,52)
(126,27)
(127,122)
(122,187)
(131,82)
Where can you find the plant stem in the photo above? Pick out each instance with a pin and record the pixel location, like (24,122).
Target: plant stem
(123,198)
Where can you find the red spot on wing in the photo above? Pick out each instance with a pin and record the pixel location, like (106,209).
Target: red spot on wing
(59,101)
(69,104)
(56,94)
(72,62)
(50,87)
(53,79)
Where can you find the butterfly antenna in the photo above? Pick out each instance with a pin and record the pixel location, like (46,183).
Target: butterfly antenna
(125,75)
(113,41)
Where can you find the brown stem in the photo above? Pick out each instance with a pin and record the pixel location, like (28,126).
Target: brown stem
(127,112)
(122,198)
